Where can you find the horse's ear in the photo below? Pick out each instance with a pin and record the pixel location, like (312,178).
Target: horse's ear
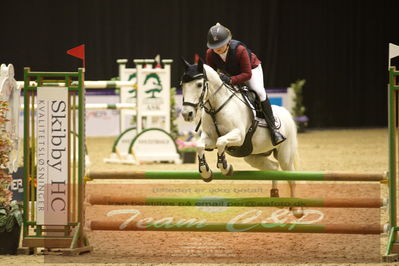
(185,63)
(200,66)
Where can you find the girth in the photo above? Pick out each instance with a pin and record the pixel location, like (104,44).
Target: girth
(246,148)
(236,151)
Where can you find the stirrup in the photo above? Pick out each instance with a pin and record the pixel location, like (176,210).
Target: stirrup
(277,138)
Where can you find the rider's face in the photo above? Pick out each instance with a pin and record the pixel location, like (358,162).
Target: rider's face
(221,49)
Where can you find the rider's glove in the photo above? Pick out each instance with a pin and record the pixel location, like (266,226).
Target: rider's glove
(225,78)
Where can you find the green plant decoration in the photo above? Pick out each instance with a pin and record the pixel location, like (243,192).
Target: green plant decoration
(298,111)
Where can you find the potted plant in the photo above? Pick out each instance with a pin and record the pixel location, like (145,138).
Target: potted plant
(174,130)
(187,150)
(299,109)
(10,227)
(10,211)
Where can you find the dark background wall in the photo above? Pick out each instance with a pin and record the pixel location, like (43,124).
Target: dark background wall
(340,46)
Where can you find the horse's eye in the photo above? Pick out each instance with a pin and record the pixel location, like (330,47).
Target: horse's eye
(199,85)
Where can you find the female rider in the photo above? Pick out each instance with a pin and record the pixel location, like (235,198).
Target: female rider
(239,65)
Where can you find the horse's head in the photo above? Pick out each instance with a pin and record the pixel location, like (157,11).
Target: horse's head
(193,85)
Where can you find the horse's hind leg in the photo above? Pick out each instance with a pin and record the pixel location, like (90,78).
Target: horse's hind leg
(274,191)
(287,163)
(263,163)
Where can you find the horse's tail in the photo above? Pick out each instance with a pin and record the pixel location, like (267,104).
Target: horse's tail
(291,144)
(293,134)
(296,158)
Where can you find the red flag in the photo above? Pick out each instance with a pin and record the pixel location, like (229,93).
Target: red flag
(78,52)
(196,58)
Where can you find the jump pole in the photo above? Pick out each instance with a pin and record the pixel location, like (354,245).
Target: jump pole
(102,106)
(238,202)
(94,84)
(225,227)
(242,175)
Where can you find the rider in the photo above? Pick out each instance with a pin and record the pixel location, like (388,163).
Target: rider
(238,65)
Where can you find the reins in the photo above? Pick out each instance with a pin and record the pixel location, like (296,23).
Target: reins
(211,110)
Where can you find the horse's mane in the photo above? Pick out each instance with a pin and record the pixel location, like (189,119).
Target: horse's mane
(211,74)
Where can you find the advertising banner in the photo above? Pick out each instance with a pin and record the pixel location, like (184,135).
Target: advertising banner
(52,155)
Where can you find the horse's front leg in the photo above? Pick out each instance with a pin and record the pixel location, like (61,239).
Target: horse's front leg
(233,138)
(203,167)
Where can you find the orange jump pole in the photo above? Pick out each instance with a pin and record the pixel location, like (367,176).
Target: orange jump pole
(237,202)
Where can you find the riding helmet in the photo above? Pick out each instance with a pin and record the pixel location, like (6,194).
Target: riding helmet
(218,35)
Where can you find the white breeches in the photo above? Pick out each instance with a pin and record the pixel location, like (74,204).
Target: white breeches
(256,83)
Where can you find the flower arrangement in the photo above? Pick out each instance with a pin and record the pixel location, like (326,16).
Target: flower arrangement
(5,149)
(10,210)
(5,137)
(186,146)
(5,193)
(187,150)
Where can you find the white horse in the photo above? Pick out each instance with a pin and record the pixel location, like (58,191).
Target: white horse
(226,120)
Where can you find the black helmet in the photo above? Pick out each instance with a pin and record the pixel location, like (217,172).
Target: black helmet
(218,35)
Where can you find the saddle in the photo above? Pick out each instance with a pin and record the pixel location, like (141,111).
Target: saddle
(252,100)
(253,103)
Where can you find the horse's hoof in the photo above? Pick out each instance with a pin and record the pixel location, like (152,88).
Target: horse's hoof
(207,180)
(274,193)
(207,176)
(297,212)
(231,171)
(228,171)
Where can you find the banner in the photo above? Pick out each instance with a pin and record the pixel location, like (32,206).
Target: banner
(52,155)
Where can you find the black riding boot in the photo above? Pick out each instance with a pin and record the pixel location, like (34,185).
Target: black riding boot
(276,136)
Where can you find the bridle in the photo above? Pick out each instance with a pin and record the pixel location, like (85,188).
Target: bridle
(209,110)
(187,78)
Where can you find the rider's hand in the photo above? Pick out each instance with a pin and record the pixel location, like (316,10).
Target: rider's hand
(225,78)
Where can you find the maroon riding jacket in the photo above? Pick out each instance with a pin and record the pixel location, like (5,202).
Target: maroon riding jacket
(238,67)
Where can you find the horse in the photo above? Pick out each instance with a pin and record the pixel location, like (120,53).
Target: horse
(228,124)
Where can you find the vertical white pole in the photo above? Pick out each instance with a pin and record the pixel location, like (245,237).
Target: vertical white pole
(122,77)
(139,67)
(167,68)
